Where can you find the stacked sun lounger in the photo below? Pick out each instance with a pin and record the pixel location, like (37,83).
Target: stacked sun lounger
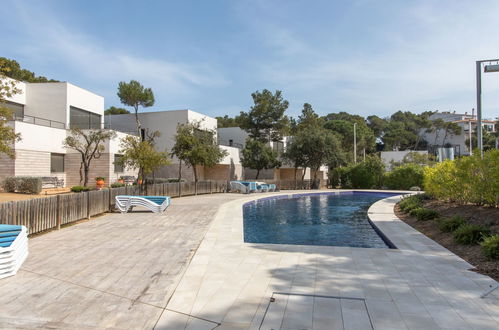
(244,187)
(156,204)
(13,249)
(247,187)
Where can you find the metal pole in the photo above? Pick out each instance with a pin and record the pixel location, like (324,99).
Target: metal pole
(471,140)
(355,143)
(479,106)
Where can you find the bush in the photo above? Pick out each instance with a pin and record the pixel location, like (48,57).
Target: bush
(404,177)
(117,185)
(465,180)
(450,224)
(163,180)
(423,214)
(412,202)
(23,184)
(364,175)
(490,247)
(470,234)
(78,189)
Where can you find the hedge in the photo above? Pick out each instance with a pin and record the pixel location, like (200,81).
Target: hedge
(23,184)
(465,180)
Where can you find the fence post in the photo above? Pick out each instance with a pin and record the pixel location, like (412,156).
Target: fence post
(109,209)
(59,216)
(211,192)
(88,204)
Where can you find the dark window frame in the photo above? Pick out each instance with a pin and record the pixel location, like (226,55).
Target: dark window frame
(52,163)
(118,167)
(14,107)
(87,120)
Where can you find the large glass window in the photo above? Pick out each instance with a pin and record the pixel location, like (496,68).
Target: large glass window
(118,168)
(79,118)
(56,163)
(16,108)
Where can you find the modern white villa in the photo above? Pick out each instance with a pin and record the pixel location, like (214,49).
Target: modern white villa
(43,115)
(236,137)
(166,123)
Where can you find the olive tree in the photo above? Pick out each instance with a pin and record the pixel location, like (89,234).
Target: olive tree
(90,145)
(135,95)
(8,136)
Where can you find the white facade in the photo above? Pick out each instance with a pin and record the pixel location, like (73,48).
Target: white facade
(389,157)
(42,118)
(465,121)
(166,122)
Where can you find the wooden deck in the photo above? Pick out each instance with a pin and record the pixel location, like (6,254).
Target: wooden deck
(116,271)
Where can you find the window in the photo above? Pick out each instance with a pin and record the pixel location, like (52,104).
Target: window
(16,108)
(83,119)
(118,168)
(56,163)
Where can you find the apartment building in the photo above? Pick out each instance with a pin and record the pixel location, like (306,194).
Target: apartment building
(468,124)
(166,122)
(43,115)
(236,137)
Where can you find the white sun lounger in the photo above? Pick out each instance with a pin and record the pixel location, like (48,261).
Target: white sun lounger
(13,249)
(156,204)
(244,187)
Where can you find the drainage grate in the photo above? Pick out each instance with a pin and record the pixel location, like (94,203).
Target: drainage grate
(303,311)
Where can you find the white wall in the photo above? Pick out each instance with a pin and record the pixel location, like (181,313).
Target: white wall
(40,138)
(85,100)
(21,96)
(232,157)
(397,156)
(237,135)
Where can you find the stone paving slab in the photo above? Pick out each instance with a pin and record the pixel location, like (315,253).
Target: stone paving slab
(115,271)
(420,285)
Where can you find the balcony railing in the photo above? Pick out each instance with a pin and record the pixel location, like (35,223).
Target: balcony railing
(57,124)
(40,121)
(230,144)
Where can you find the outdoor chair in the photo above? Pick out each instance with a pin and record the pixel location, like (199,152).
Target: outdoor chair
(13,249)
(262,187)
(244,187)
(156,204)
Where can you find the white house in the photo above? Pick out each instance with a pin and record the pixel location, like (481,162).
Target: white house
(166,123)
(43,115)
(236,137)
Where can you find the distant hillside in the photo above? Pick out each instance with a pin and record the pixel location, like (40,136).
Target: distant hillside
(12,69)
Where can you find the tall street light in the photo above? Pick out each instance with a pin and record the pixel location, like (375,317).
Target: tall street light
(488,68)
(355,143)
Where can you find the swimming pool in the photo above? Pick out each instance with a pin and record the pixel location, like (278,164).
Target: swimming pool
(314,219)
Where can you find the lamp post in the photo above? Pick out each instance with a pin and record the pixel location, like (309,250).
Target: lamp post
(355,143)
(488,68)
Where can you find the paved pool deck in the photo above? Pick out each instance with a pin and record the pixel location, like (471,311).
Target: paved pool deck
(189,268)
(230,284)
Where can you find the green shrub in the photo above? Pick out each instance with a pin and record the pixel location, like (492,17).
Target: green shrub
(450,224)
(117,185)
(490,247)
(407,204)
(404,177)
(470,234)
(423,214)
(465,180)
(23,184)
(78,189)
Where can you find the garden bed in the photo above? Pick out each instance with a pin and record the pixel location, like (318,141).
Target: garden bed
(486,216)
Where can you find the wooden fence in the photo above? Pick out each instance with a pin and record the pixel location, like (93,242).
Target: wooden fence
(51,212)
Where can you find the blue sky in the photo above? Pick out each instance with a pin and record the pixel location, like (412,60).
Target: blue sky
(364,57)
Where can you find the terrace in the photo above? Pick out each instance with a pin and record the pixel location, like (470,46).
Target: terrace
(190,268)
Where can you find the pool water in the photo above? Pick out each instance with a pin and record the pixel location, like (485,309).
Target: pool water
(314,219)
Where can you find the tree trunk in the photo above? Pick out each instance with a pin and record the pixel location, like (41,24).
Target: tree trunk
(179,170)
(303,175)
(137,122)
(195,173)
(257,174)
(85,170)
